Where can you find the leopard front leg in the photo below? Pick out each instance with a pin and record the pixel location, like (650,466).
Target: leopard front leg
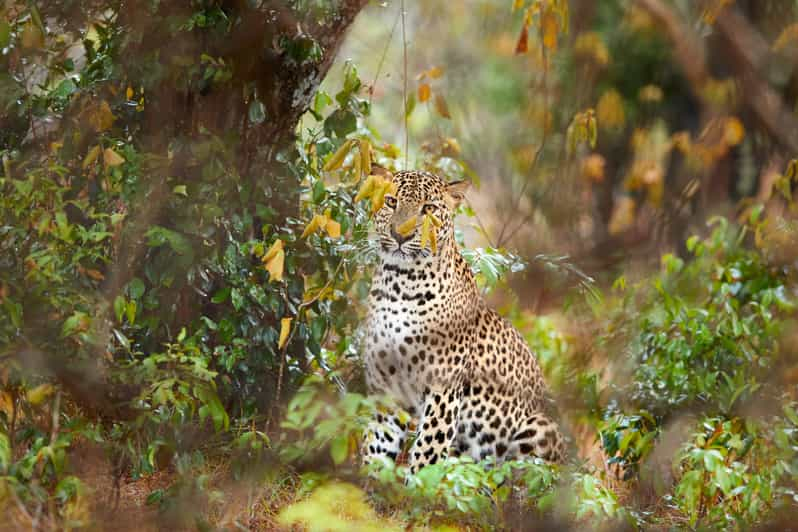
(538,436)
(437,426)
(384,438)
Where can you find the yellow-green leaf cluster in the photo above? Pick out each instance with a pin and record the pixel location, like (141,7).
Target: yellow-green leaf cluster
(323,222)
(375,187)
(583,128)
(429,232)
(274,261)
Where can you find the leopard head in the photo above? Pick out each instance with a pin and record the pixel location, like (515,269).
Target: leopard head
(417,193)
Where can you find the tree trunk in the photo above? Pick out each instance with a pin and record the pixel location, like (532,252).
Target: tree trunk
(273,59)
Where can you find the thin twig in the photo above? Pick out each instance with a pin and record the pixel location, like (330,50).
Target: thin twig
(302,306)
(56,419)
(535,159)
(404,79)
(382,58)
(13,428)
(480,224)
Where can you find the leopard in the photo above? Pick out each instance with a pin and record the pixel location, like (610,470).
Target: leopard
(466,377)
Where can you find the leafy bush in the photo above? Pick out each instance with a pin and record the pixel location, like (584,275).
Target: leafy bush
(715,336)
(709,342)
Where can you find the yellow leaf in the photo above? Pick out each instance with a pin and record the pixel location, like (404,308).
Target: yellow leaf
(277,246)
(682,141)
(101,118)
(650,93)
(366,188)
(337,159)
(91,156)
(333,229)
(451,148)
(32,36)
(590,45)
(378,196)
(518,4)
(789,34)
(435,72)
(592,130)
(129,93)
(435,220)
(40,393)
(97,275)
(792,170)
(285,330)
(316,222)
(112,158)
(593,168)
(365,157)
(433,241)
(275,266)
(733,131)
(549,27)
(7,404)
(623,215)
(610,111)
(408,226)
(426,229)
(424,92)
(441,106)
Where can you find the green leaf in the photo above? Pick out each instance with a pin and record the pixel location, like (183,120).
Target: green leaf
(237,298)
(68,488)
(73,323)
(212,406)
(119,307)
(159,236)
(5,452)
(341,123)
(411,104)
(221,295)
(123,340)
(155,497)
(256,112)
(318,191)
(65,89)
(339,449)
(130,311)
(136,288)
(320,101)
(5,33)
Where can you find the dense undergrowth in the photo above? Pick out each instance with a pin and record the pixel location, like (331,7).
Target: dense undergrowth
(251,403)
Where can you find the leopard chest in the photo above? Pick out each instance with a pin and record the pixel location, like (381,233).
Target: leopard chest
(403,337)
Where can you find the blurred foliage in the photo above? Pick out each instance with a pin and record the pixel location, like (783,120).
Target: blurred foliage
(184,256)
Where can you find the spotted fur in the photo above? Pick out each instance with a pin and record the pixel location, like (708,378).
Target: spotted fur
(434,345)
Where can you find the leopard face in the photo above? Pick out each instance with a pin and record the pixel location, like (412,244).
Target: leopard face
(417,194)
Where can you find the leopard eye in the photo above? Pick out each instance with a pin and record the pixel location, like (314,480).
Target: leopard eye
(390,201)
(429,208)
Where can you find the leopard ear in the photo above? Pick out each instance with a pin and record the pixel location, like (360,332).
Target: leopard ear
(381,171)
(455,191)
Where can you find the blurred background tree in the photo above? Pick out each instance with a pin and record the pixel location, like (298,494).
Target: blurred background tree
(694,104)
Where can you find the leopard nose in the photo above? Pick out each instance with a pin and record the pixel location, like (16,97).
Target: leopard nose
(399,238)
